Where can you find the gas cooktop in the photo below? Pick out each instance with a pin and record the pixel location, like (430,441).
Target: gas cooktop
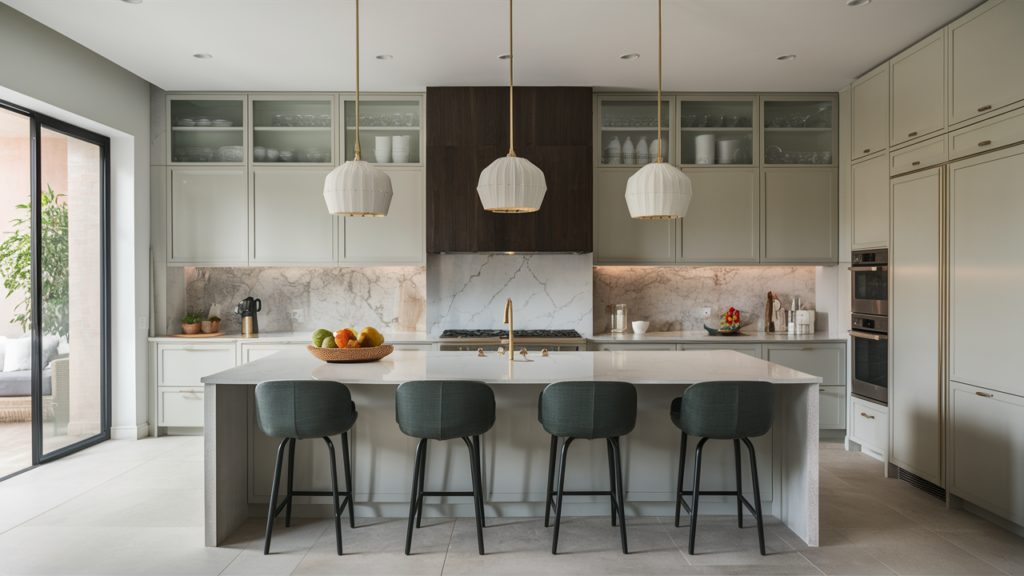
(552,334)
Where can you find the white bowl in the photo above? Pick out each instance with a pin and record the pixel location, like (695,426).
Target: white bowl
(641,326)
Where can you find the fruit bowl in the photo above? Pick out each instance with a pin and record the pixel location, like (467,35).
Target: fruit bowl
(343,355)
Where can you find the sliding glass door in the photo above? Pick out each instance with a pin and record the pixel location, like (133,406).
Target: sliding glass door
(54,264)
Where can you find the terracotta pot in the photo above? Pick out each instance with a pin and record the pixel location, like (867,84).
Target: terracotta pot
(207,326)
(190,328)
(216,326)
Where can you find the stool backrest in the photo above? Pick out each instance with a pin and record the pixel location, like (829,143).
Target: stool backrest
(728,410)
(444,409)
(588,409)
(303,408)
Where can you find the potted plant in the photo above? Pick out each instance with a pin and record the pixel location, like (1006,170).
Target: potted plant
(214,324)
(190,324)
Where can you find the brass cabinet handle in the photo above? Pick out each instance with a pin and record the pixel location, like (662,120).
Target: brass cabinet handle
(868,335)
(866,416)
(915,163)
(912,134)
(984,143)
(866,150)
(190,391)
(983,394)
(986,107)
(808,348)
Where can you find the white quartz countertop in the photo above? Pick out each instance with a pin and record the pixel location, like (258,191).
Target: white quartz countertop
(304,337)
(640,367)
(697,337)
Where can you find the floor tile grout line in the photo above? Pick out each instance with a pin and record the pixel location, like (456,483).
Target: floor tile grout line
(965,549)
(854,544)
(673,540)
(308,550)
(811,563)
(449,548)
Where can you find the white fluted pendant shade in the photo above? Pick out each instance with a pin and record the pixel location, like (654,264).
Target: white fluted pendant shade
(658,191)
(358,188)
(512,184)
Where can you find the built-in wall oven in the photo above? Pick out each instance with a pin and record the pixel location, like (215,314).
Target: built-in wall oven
(870,342)
(869,277)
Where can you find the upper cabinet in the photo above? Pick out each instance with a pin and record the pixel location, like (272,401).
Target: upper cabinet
(206,129)
(918,94)
(396,239)
(207,220)
(292,129)
(799,216)
(723,201)
(800,129)
(870,112)
(620,239)
(718,130)
(984,53)
(390,128)
(869,182)
(629,130)
(289,221)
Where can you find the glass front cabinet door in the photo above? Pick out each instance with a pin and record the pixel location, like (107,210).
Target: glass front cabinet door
(800,130)
(628,130)
(718,130)
(390,128)
(206,129)
(293,129)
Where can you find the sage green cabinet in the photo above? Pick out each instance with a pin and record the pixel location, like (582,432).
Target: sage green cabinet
(618,238)
(799,216)
(206,217)
(984,58)
(753,350)
(396,239)
(631,347)
(724,200)
(918,91)
(289,221)
(869,112)
(825,360)
(869,181)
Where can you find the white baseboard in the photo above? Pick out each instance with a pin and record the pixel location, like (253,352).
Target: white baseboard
(129,432)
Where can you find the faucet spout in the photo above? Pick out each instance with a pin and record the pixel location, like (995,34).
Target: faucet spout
(507,319)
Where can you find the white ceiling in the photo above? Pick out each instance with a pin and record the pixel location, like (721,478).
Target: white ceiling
(308,45)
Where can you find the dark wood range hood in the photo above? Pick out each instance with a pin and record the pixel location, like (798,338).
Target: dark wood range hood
(468,129)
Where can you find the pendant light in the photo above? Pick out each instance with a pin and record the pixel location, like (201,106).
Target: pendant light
(358,188)
(658,191)
(511,185)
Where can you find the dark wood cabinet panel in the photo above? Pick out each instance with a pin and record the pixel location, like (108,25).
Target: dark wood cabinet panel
(467,129)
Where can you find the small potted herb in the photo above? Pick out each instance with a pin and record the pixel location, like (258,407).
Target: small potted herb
(214,324)
(191,323)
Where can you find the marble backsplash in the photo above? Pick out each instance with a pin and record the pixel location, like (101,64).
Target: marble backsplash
(548,291)
(670,298)
(387,298)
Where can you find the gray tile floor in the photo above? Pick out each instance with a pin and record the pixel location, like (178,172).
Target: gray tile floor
(137,508)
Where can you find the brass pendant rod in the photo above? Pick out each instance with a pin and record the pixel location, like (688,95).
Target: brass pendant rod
(658,103)
(357,81)
(511,151)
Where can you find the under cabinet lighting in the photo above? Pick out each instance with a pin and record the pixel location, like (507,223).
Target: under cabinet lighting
(786,57)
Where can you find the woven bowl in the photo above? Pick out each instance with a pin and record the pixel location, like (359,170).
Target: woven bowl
(342,355)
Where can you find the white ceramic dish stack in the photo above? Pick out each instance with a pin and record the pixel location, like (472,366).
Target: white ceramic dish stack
(400,149)
(382,151)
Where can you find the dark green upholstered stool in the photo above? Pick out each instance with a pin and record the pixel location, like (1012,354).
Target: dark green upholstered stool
(724,411)
(588,410)
(300,409)
(443,410)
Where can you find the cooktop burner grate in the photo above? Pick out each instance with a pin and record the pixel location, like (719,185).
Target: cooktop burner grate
(504,334)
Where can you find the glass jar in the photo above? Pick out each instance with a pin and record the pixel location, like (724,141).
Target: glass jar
(619,318)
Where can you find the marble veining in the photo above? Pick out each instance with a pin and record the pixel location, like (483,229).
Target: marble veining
(389,298)
(548,291)
(670,298)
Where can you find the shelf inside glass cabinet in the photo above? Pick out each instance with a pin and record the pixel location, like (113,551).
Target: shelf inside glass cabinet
(292,131)
(389,131)
(207,130)
(798,132)
(629,132)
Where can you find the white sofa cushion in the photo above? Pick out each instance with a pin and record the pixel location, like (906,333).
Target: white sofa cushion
(18,355)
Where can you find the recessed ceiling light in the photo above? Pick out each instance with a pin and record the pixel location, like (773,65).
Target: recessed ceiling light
(629,56)
(857,2)
(786,57)
(504,57)
(202,56)
(384,57)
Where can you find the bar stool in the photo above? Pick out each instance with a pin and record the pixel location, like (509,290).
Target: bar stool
(588,410)
(723,411)
(301,409)
(443,410)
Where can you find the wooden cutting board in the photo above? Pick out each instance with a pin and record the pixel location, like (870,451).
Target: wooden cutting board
(200,335)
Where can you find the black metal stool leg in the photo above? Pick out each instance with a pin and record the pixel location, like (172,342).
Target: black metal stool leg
(273,496)
(476,495)
(480,479)
(611,478)
(620,491)
(348,481)
(679,482)
(739,483)
(561,487)
(757,495)
(334,490)
(422,483)
(417,462)
(551,480)
(696,493)
(291,475)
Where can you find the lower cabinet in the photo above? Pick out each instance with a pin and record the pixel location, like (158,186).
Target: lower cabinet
(637,347)
(179,368)
(869,425)
(987,449)
(826,360)
(180,407)
(748,349)
(249,352)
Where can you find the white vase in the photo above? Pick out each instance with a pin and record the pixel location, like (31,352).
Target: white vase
(628,152)
(705,144)
(614,151)
(642,155)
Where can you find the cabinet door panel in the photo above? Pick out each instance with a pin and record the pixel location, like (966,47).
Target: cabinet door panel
(918,156)
(870,112)
(613,347)
(619,239)
(753,350)
(206,216)
(723,201)
(870,184)
(290,221)
(397,238)
(984,60)
(918,90)
(915,407)
(987,270)
(827,362)
(799,216)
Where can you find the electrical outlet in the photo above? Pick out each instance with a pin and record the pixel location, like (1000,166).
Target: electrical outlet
(298,315)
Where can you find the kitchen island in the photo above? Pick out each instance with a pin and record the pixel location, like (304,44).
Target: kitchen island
(240,458)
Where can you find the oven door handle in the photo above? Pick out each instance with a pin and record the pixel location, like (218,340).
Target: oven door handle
(868,335)
(868,268)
